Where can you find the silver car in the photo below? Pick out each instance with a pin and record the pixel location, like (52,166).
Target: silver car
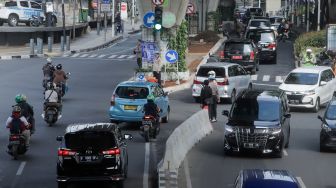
(231,79)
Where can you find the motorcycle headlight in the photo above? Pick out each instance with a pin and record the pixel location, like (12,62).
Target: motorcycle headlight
(309,92)
(326,127)
(275,131)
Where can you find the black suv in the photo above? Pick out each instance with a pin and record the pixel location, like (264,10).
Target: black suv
(92,152)
(242,52)
(328,128)
(266,42)
(258,121)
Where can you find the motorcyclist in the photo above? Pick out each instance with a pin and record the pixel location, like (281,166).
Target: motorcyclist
(151,109)
(18,124)
(26,110)
(309,58)
(60,78)
(282,29)
(52,98)
(48,70)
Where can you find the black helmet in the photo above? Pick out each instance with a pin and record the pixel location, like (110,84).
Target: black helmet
(50,85)
(59,67)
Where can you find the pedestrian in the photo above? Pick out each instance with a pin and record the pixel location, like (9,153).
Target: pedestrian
(157,65)
(333,67)
(138,53)
(215,96)
(206,96)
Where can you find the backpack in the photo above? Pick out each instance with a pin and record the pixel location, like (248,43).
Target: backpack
(15,125)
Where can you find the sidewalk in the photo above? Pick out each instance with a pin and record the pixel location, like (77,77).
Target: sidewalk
(87,42)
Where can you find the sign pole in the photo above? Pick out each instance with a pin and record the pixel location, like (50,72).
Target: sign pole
(113,30)
(98,18)
(105,26)
(133,13)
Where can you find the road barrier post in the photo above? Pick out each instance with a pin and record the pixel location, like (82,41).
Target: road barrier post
(49,44)
(31,45)
(67,42)
(62,43)
(39,46)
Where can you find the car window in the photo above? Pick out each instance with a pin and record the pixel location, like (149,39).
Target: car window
(233,71)
(131,92)
(35,5)
(324,76)
(267,37)
(233,48)
(302,78)
(260,23)
(241,70)
(203,71)
(11,4)
(331,112)
(86,139)
(329,75)
(24,4)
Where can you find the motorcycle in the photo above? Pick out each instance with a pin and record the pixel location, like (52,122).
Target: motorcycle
(325,58)
(62,87)
(51,114)
(148,128)
(16,145)
(36,21)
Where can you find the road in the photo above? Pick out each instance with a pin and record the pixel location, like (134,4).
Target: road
(207,166)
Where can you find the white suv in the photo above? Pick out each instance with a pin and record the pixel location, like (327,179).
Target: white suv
(20,11)
(309,87)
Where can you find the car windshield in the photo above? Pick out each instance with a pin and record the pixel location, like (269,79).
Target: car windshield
(302,78)
(260,24)
(331,112)
(233,48)
(255,110)
(203,71)
(96,140)
(130,92)
(11,4)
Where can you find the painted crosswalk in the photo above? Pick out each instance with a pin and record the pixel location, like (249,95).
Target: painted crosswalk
(267,78)
(99,56)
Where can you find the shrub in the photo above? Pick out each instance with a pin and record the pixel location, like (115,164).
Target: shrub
(316,39)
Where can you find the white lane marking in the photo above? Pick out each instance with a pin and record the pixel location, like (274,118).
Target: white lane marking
(301,182)
(278,79)
(131,56)
(103,55)
(146,169)
(6,57)
(271,85)
(25,57)
(254,77)
(266,78)
(65,55)
(187,173)
(84,55)
(22,165)
(93,55)
(122,56)
(112,56)
(75,55)
(285,152)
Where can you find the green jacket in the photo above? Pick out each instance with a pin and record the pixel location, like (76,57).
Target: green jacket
(308,60)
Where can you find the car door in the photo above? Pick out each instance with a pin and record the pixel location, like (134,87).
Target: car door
(24,11)
(285,121)
(37,9)
(330,84)
(233,79)
(243,77)
(323,89)
(122,146)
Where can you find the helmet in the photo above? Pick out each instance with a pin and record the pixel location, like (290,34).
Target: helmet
(49,60)
(20,98)
(309,50)
(212,77)
(59,67)
(50,85)
(212,73)
(16,109)
(150,97)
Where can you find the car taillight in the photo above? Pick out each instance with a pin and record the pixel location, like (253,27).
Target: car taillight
(272,46)
(66,152)
(197,82)
(224,83)
(251,55)
(13,138)
(221,54)
(111,152)
(113,100)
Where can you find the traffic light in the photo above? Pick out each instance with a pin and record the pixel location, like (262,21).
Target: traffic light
(158,18)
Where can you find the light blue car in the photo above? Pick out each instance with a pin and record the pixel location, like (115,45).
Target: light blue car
(129,98)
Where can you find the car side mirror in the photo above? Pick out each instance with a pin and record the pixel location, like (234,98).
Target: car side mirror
(128,137)
(59,138)
(320,118)
(287,115)
(225,113)
(323,83)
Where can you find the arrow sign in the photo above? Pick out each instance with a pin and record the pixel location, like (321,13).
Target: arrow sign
(171,56)
(149,19)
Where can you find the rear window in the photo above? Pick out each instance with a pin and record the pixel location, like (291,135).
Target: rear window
(11,4)
(259,36)
(260,24)
(241,47)
(95,140)
(203,71)
(130,92)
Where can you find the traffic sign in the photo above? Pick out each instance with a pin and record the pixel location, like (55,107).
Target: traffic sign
(157,2)
(171,56)
(190,8)
(149,19)
(105,7)
(123,11)
(105,1)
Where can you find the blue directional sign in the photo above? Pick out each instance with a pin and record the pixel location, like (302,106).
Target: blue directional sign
(171,56)
(105,1)
(149,19)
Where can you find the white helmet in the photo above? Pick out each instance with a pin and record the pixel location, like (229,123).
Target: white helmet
(309,50)
(49,60)
(212,73)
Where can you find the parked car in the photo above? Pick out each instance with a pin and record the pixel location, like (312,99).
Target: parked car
(129,97)
(309,87)
(328,128)
(259,121)
(20,11)
(242,52)
(92,152)
(231,79)
(260,178)
(266,42)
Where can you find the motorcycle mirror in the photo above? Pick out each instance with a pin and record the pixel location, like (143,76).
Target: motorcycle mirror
(128,137)
(69,73)
(59,138)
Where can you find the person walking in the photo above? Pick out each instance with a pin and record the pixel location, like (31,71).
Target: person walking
(138,53)
(157,65)
(206,97)
(215,96)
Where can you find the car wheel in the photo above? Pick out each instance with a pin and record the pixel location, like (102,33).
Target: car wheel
(317,105)
(166,118)
(28,24)
(62,185)
(322,148)
(233,96)
(13,20)
(278,154)
(120,184)
(227,151)
(274,61)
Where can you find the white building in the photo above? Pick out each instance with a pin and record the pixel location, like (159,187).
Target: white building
(273,6)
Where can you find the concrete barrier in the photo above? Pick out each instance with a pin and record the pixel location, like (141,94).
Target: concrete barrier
(178,145)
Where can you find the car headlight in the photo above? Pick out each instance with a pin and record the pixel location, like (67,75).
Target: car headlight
(275,130)
(326,127)
(228,129)
(309,92)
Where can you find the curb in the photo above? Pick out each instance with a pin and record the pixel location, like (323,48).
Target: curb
(134,32)
(7,57)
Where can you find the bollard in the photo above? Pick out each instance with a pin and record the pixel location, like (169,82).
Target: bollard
(31,44)
(67,42)
(39,46)
(62,43)
(50,44)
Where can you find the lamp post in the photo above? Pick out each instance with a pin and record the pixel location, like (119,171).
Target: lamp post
(63,18)
(318,15)
(113,3)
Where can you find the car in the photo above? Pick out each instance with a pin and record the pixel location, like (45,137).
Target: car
(21,11)
(231,79)
(259,23)
(266,42)
(309,87)
(328,128)
(129,98)
(258,122)
(261,178)
(92,152)
(241,51)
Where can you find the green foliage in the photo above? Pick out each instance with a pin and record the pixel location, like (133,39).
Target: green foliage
(182,45)
(316,39)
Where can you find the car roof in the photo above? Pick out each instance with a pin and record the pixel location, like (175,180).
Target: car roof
(274,178)
(260,20)
(261,30)
(256,94)
(96,127)
(137,83)
(314,69)
(218,64)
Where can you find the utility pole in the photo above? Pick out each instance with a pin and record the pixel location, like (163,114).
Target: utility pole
(292,11)
(98,18)
(74,20)
(286,5)
(133,14)
(259,3)
(113,18)
(63,18)
(308,12)
(318,15)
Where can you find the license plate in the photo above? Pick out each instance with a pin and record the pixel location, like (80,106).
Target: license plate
(130,107)
(87,158)
(15,142)
(147,122)
(294,101)
(237,57)
(251,145)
